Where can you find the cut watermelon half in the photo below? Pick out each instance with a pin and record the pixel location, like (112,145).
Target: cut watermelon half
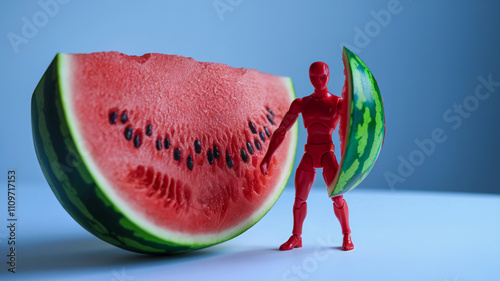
(362,125)
(160,153)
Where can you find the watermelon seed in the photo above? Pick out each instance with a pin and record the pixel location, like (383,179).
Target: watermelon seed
(257,144)
(190,162)
(210,157)
(270,119)
(128,133)
(269,110)
(158,144)
(229,161)
(167,143)
(149,130)
(124,117)
(216,152)
(177,154)
(197,146)
(112,117)
(267,132)
(137,140)
(244,155)
(250,148)
(252,127)
(262,137)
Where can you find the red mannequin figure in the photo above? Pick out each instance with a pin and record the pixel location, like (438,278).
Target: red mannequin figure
(321,112)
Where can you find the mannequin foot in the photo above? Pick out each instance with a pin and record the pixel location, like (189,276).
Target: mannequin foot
(293,242)
(347,243)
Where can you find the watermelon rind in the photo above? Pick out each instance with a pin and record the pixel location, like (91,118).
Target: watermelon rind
(85,193)
(365,130)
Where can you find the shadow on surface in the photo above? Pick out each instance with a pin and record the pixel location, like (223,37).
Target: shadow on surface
(91,253)
(245,257)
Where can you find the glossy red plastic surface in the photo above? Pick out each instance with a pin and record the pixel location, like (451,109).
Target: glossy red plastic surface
(321,114)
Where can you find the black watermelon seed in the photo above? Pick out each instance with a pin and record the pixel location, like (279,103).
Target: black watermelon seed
(269,110)
(262,136)
(128,133)
(124,117)
(210,157)
(257,144)
(158,144)
(250,148)
(229,161)
(149,130)
(137,140)
(197,146)
(190,162)
(252,127)
(244,155)
(270,119)
(216,152)
(167,143)
(267,132)
(112,117)
(177,154)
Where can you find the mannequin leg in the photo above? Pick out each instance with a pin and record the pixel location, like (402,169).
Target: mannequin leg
(304,179)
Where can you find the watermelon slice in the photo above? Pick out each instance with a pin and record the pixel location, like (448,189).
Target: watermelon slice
(362,125)
(159,153)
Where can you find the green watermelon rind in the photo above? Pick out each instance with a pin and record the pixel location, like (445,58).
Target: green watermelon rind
(83,191)
(366,128)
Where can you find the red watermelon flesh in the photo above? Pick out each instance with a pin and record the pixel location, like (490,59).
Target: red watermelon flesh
(147,129)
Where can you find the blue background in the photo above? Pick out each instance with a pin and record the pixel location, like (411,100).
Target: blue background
(427,57)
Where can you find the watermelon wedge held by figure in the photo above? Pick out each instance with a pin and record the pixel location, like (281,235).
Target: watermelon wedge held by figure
(362,125)
(157,153)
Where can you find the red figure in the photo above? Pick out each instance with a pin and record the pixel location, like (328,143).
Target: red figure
(321,112)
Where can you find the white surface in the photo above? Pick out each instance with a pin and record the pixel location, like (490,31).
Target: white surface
(397,236)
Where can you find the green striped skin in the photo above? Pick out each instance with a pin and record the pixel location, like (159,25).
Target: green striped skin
(365,129)
(75,187)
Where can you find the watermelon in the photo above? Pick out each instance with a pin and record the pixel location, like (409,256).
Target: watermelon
(159,153)
(362,125)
